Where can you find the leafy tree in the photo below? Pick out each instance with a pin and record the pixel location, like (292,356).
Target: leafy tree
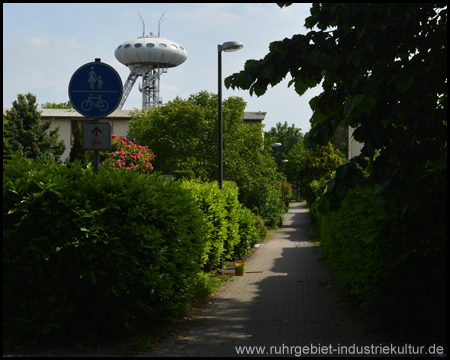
(316,165)
(183,136)
(28,136)
(295,159)
(182,133)
(77,151)
(383,68)
(49,105)
(340,140)
(288,136)
(6,138)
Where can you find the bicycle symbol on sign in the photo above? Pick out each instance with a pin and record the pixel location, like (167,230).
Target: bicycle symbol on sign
(96,143)
(102,105)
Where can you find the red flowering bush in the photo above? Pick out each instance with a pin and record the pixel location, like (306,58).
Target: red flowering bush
(127,155)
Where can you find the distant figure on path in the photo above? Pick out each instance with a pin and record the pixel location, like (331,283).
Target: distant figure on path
(287,201)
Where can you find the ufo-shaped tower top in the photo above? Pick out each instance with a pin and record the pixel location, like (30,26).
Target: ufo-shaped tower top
(150,49)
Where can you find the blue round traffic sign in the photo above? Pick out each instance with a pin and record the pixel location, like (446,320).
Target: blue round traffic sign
(95,89)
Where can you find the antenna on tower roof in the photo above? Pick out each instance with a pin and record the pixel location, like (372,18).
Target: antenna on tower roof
(143,31)
(159,23)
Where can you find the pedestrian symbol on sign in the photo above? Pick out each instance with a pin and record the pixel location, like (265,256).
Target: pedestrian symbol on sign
(95,90)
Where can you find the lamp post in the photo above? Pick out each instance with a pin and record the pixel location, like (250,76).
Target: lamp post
(282,184)
(228,46)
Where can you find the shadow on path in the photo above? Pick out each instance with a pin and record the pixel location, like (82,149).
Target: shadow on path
(290,304)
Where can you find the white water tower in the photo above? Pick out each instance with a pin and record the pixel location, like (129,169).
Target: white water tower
(148,56)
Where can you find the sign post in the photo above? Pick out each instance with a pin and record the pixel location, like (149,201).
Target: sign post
(95,91)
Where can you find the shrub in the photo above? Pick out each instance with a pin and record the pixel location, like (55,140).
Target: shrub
(231,227)
(393,264)
(249,232)
(264,200)
(203,286)
(184,174)
(262,229)
(287,189)
(130,243)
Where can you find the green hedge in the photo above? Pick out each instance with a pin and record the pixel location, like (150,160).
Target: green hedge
(393,264)
(231,227)
(187,174)
(264,200)
(132,244)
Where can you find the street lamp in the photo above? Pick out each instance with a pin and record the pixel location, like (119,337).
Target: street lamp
(282,184)
(228,46)
(276,145)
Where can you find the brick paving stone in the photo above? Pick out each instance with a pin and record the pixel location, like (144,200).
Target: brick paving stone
(289,304)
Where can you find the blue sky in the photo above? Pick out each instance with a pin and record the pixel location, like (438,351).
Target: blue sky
(44,44)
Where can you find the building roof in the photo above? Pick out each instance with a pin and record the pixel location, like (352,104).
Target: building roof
(254,116)
(67,113)
(125,114)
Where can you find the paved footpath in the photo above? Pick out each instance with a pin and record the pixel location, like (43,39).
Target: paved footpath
(290,304)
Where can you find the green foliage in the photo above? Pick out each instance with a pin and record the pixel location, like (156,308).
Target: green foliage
(264,200)
(287,189)
(394,266)
(230,226)
(77,151)
(49,105)
(203,286)
(288,136)
(317,165)
(32,139)
(261,226)
(132,244)
(381,74)
(6,139)
(251,231)
(340,141)
(183,134)
(184,174)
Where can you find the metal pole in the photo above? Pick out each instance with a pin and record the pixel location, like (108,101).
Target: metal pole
(220,132)
(96,157)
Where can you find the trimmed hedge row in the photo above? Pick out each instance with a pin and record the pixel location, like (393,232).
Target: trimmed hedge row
(393,264)
(134,243)
(134,246)
(231,227)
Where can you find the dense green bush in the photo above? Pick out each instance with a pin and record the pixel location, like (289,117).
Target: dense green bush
(184,174)
(264,200)
(393,264)
(130,243)
(250,232)
(231,229)
(287,188)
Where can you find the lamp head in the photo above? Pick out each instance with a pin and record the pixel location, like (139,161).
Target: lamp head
(230,46)
(276,145)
